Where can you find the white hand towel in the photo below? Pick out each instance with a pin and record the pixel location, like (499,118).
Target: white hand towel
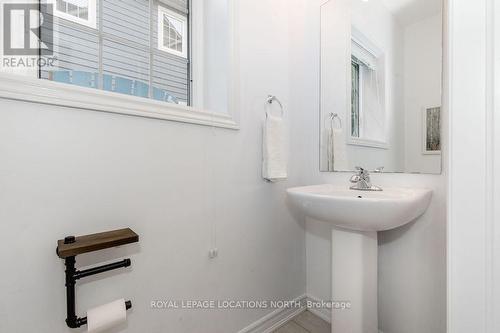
(339,150)
(274,166)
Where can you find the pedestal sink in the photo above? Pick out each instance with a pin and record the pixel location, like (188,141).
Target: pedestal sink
(356,216)
(361,210)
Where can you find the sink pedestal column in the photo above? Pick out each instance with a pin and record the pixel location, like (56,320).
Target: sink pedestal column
(354,280)
(354,254)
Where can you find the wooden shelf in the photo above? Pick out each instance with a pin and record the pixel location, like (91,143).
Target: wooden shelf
(96,242)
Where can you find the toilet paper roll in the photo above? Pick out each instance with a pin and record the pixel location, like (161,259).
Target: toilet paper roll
(106,316)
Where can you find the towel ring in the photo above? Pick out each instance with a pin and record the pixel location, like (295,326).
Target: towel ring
(334,116)
(271,99)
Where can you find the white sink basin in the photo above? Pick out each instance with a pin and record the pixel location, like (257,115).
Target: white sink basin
(360,210)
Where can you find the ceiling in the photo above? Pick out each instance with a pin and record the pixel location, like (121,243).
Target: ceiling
(411,11)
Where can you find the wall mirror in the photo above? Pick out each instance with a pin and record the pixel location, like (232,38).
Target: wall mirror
(381,77)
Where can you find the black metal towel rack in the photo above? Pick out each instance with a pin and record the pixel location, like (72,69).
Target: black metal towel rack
(71,246)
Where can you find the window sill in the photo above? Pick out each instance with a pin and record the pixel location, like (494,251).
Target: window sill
(367,143)
(17,87)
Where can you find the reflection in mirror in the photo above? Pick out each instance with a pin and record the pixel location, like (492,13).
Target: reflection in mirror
(381,73)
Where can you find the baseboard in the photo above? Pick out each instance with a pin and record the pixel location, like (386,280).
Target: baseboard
(323,313)
(275,319)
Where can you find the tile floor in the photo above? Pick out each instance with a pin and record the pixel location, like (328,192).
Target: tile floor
(306,322)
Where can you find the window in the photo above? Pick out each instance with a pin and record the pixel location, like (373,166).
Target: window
(78,11)
(172,28)
(367,123)
(121,54)
(140,48)
(363,70)
(355,97)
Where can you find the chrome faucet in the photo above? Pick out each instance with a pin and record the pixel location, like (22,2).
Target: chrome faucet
(362,180)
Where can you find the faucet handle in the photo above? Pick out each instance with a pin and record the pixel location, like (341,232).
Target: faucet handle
(362,171)
(379,170)
(359,170)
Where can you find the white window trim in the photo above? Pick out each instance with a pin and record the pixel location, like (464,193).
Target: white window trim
(197,52)
(165,11)
(363,53)
(29,89)
(91,22)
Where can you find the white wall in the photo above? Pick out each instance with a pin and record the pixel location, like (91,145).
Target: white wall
(418,248)
(183,188)
(422,88)
(473,215)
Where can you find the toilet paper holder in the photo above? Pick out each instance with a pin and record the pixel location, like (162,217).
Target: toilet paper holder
(69,247)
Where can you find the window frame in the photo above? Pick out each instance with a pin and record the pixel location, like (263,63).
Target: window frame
(359,99)
(163,10)
(371,49)
(34,90)
(92,12)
